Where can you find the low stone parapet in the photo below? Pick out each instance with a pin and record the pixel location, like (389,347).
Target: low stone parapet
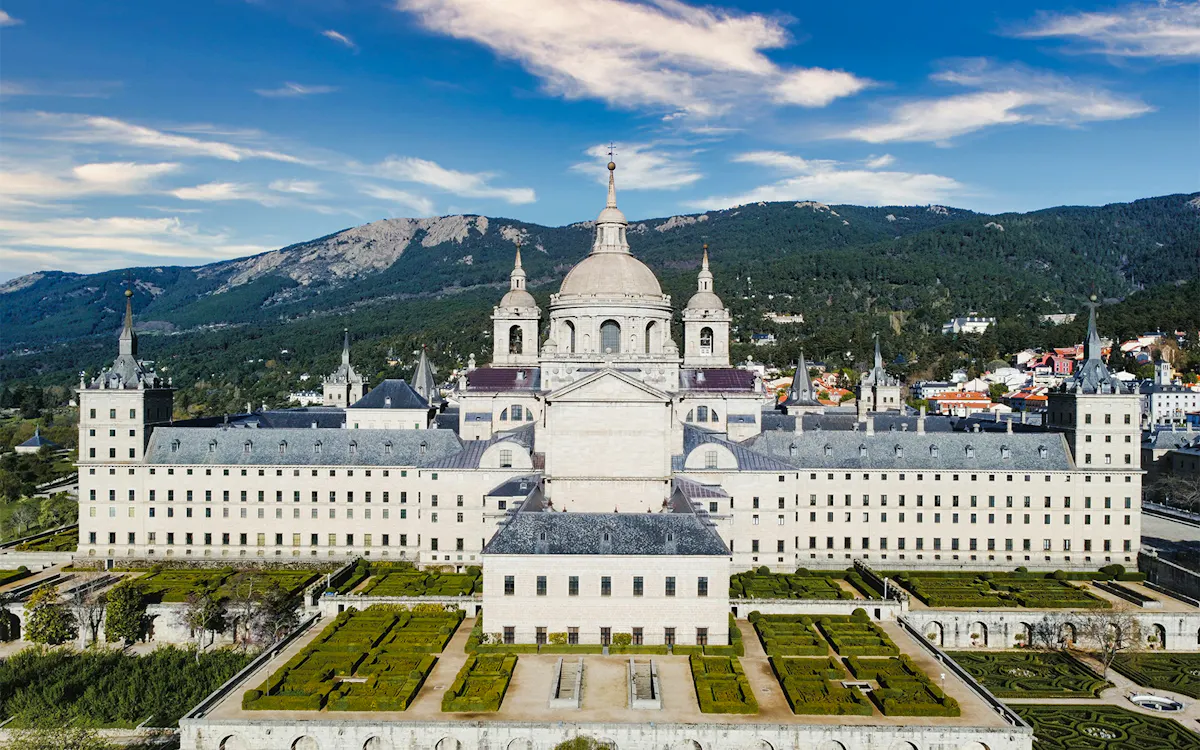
(330,605)
(879,609)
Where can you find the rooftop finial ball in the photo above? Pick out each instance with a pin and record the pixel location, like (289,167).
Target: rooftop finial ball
(128,292)
(1093,298)
(612,165)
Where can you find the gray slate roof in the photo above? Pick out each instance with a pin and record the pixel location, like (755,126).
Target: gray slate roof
(218,446)
(393,393)
(556,533)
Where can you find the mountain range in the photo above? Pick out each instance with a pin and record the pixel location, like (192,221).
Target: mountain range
(434,279)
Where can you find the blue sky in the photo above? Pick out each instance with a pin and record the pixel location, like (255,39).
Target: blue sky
(148,132)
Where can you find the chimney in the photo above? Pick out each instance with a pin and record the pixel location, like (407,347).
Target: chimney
(1024,417)
(1008,426)
(871,425)
(799,429)
(921,422)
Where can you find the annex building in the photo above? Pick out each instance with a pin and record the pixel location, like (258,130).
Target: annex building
(594,446)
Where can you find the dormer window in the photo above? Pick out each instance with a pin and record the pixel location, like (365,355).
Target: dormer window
(792,450)
(899,451)
(422,448)
(282,447)
(1005,452)
(670,537)
(970,451)
(212,446)
(174,446)
(933,451)
(247,447)
(353,447)
(828,449)
(862,451)
(1042,451)
(607,538)
(541,536)
(317,448)
(387,447)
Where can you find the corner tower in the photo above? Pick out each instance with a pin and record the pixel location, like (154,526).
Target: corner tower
(344,386)
(515,323)
(705,324)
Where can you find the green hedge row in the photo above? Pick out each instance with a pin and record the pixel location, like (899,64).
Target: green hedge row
(721,685)
(812,687)
(481,683)
(857,638)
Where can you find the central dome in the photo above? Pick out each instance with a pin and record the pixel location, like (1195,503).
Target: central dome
(611,275)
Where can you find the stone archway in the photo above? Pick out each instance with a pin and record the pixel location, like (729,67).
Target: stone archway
(448,743)
(1159,635)
(1068,634)
(979,634)
(305,743)
(688,745)
(935,633)
(377,743)
(232,742)
(521,743)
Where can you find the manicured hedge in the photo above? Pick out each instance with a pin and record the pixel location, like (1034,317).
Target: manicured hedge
(788,635)
(1033,591)
(912,696)
(721,685)
(414,582)
(762,584)
(812,687)
(1026,674)
(857,638)
(481,683)
(392,647)
(174,585)
(1176,672)
(8,576)
(1060,727)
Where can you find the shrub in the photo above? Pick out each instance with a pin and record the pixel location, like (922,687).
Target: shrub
(622,639)
(721,685)
(860,615)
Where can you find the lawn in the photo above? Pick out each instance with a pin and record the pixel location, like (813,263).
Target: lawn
(1027,674)
(1103,728)
(110,688)
(371,660)
(721,685)
(1178,673)
(481,683)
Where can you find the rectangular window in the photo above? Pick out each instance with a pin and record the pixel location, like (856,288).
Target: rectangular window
(637,586)
(701,636)
(573,586)
(573,636)
(510,585)
(637,637)
(670,587)
(510,635)
(702,586)
(669,636)
(541,585)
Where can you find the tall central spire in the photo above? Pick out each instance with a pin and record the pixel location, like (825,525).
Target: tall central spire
(1093,349)
(346,347)
(611,224)
(127,343)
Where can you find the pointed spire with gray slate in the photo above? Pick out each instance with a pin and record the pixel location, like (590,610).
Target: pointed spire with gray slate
(346,347)
(878,374)
(127,343)
(1093,375)
(423,381)
(802,393)
(127,372)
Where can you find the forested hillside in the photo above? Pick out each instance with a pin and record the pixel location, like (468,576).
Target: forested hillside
(401,283)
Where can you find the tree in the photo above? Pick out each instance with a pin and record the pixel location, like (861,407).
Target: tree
(243,608)
(125,619)
(996,390)
(88,605)
(22,517)
(1112,633)
(278,616)
(204,615)
(56,736)
(47,619)
(58,510)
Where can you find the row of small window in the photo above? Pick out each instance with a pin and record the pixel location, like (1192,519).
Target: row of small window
(152,495)
(1068,418)
(317,446)
(954,501)
(112,413)
(1087,458)
(639,586)
(638,636)
(208,513)
(518,414)
(1107,438)
(260,539)
(937,518)
(972,544)
(829,476)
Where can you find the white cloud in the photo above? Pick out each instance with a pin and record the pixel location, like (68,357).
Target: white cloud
(302,187)
(131,239)
(879,162)
(639,167)
(664,55)
(1004,96)
(291,90)
(1165,29)
(419,203)
(833,182)
(29,185)
(465,184)
(224,191)
(7,20)
(109,130)
(339,38)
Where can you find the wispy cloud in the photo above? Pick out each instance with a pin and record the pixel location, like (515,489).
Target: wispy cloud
(7,20)
(418,203)
(302,187)
(69,89)
(31,185)
(879,162)
(1003,96)
(290,89)
(112,131)
(224,191)
(662,55)
(836,182)
(1165,29)
(641,166)
(339,38)
(465,184)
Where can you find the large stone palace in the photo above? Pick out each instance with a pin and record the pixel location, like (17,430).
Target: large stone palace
(599,439)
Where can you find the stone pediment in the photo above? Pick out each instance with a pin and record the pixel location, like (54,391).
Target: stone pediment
(609,386)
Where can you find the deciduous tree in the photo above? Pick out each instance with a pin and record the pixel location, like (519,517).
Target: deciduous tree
(47,619)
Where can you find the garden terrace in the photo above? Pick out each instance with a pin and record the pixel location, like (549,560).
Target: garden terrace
(63,541)
(788,635)
(856,636)
(999,590)
(421,583)
(171,585)
(370,660)
(1025,674)
(813,686)
(481,683)
(11,576)
(761,584)
(1103,728)
(110,689)
(721,685)
(1177,673)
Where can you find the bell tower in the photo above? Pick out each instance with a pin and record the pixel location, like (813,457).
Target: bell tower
(515,323)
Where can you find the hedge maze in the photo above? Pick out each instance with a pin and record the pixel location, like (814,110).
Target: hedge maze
(815,686)
(373,660)
(1032,675)
(481,683)
(721,685)
(999,590)
(1177,673)
(172,585)
(761,584)
(1103,728)
(421,583)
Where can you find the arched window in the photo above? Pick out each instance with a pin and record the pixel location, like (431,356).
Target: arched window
(610,337)
(504,416)
(515,340)
(570,337)
(691,417)
(712,416)
(651,329)
(706,340)
(702,414)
